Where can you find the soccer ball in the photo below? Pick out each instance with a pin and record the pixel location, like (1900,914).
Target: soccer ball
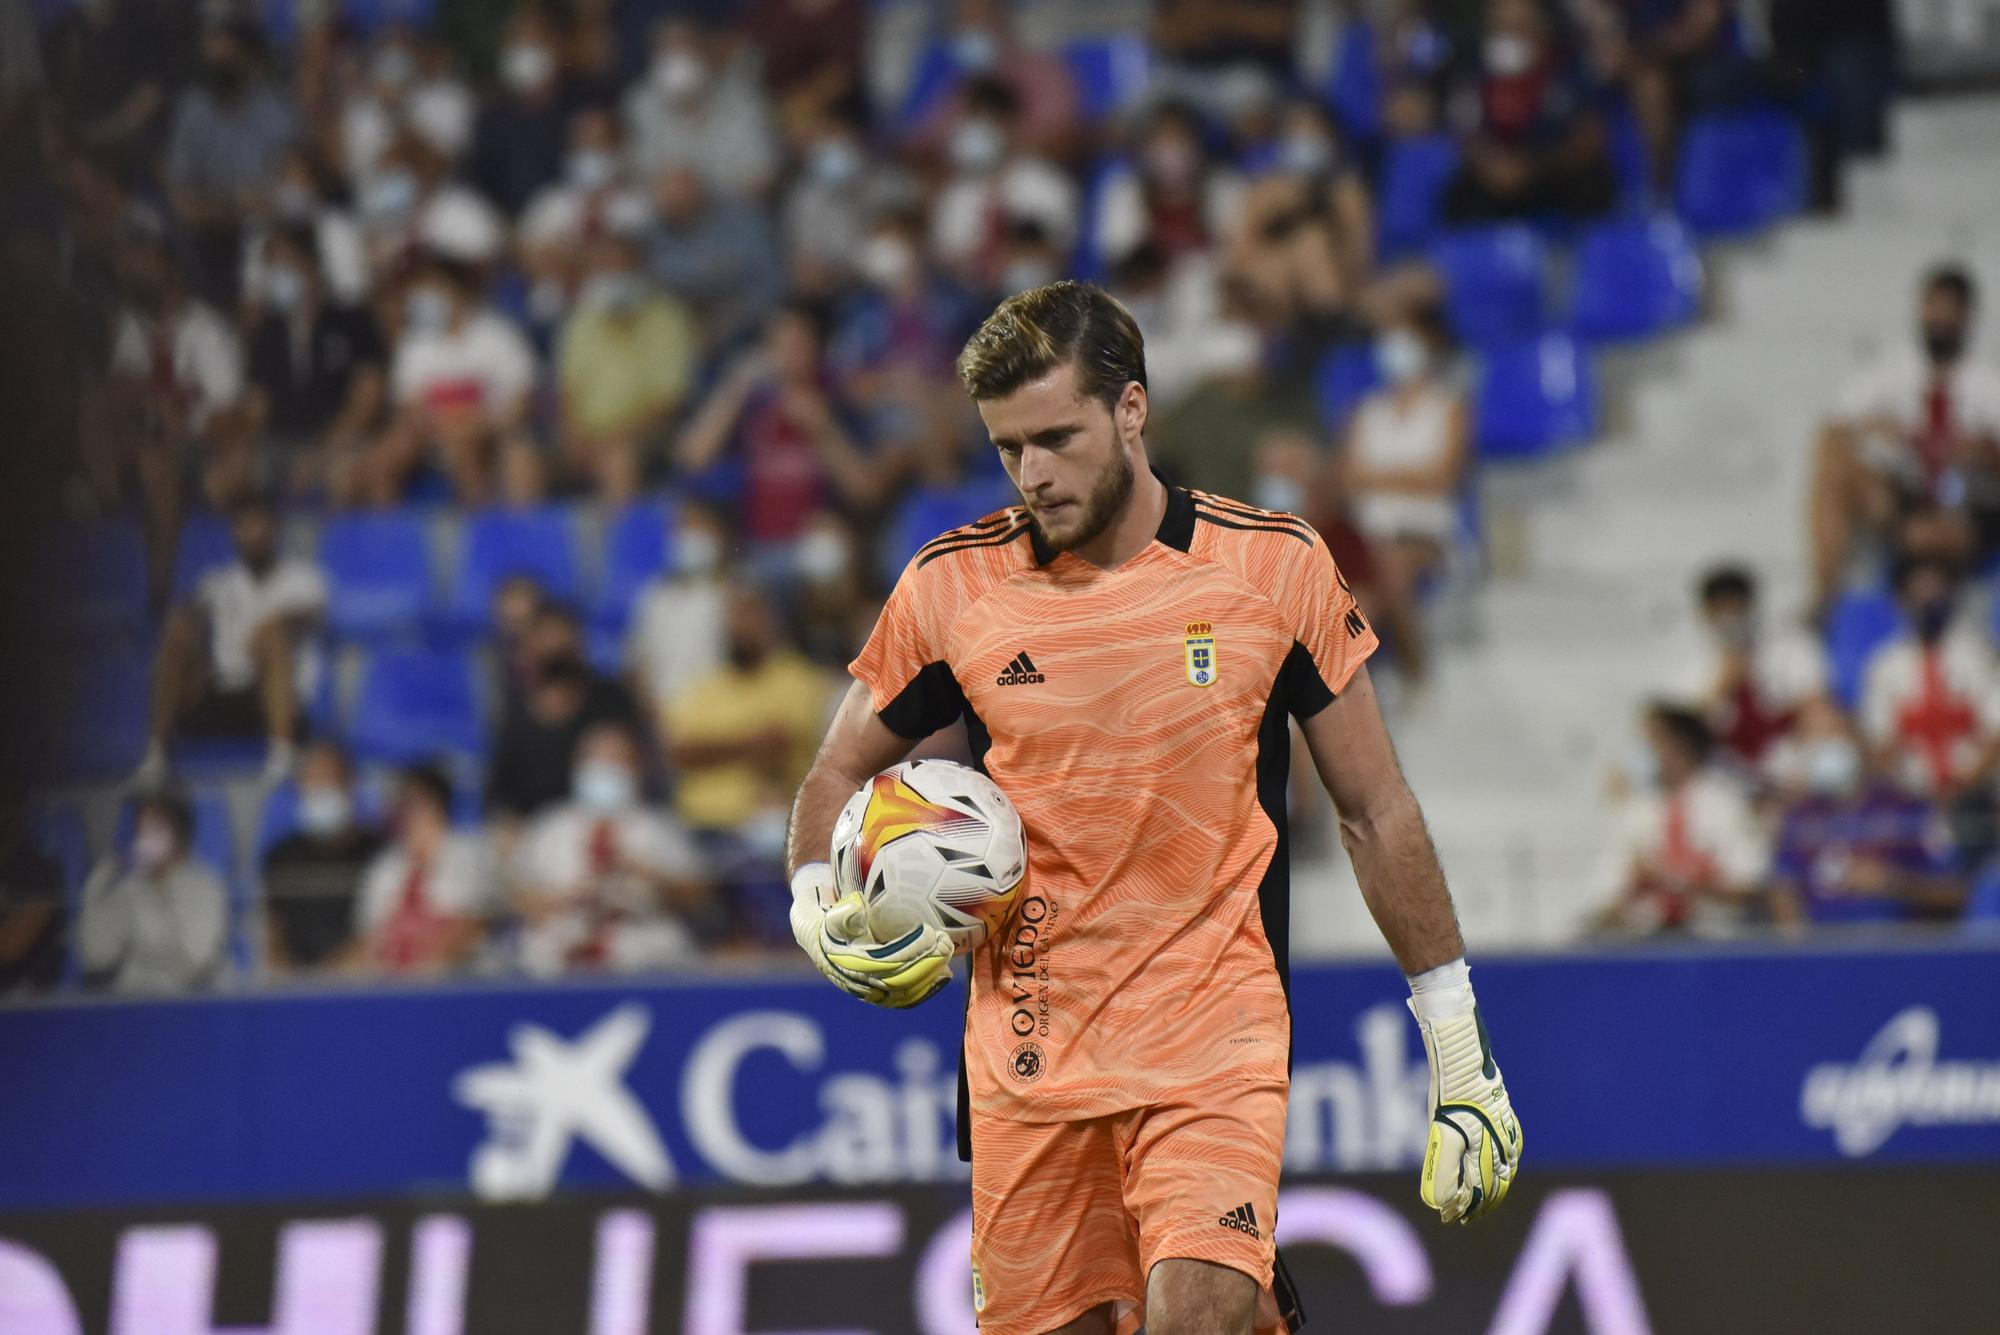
(932,843)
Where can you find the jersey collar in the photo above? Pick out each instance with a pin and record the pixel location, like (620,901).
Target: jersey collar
(1176,525)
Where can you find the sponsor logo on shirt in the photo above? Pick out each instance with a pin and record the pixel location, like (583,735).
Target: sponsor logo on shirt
(1020,672)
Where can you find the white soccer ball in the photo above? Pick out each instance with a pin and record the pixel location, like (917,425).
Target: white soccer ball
(931,842)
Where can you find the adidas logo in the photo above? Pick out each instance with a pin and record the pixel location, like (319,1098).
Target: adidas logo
(1020,672)
(1243,1219)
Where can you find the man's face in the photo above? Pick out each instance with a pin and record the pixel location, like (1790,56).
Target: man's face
(749,629)
(256,539)
(1069,456)
(1946,323)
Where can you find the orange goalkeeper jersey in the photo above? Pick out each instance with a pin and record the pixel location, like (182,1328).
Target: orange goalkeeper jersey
(1137,719)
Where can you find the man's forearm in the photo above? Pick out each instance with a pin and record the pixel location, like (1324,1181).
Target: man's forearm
(1403,884)
(809,837)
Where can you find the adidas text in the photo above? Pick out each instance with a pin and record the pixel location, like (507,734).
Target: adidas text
(1243,1219)
(1020,672)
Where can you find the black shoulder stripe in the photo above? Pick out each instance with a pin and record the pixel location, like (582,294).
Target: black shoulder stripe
(1220,521)
(1239,510)
(974,529)
(990,540)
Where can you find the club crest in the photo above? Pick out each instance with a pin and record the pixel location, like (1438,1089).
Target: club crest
(1200,649)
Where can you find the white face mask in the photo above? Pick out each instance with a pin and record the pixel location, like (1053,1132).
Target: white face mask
(324,811)
(1641,767)
(604,786)
(591,168)
(696,551)
(835,162)
(284,288)
(152,846)
(886,260)
(527,66)
(427,310)
(1402,356)
(678,74)
(977,144)
(1020,275)
(617,292)
(1270,491)
(1509,54)
(1833,766)
(1305,154)
(975,49)
(821,556)
(391,195)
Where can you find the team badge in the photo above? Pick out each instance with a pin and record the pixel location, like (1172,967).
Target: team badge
(1200,645)
(978,1290)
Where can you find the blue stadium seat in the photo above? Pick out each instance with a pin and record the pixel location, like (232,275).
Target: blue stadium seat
(204,544)
(379,574)
(416,704)
(1355,86)
(95,580)
(1535,397)
(1630,159)
(57,829)
(1415,173)
(927,511)
(636,544)
(498,544)
(1494,279)
(1859,624)
(1635,277)
(1982,910)
(1112,72)
(1346,375)
(933,74)
(1740,172)
(97,720)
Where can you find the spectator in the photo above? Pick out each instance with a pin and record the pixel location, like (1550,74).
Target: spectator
(426,898)
(601,881)
(740,738)
(1414,61)
(897,337)
(1208,44)
(996,180)
(312,877)
(678,621)
(537,746)
(1852,849)
(410,205)
(719,256)
(1404,464)
(1174,197)
(1532,143)
(1921,424)
(111,70)
(1672,57)
(593,198)
(982,48)
(317,371)
(812,56)
(236,658)
(460,382)
(701,109)
(1686,852)
(156,920)
(833,202)
(829,591)
(230,132)
(1301,244)
(774,406)
(625,360)
(517,605)
(521,137)
(33,916)
(302,201)
(1930,697)
(1177,310)
(1749,679)
(1209,438)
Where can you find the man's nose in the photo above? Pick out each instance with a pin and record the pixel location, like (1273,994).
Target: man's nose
(1036,472)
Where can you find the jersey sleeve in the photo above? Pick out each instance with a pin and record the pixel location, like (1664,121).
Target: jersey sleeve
(903,664)
(1331,638)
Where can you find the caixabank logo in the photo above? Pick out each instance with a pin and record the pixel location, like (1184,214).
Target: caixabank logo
(1899,1081)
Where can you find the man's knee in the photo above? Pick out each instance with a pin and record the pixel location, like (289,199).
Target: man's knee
(1189,1297)
(271,646)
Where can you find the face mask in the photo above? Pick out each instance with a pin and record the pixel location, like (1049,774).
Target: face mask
(1508,55)
(1172,162)
(1272,492)
(626,213)
(1933,619)
(1943,345)
(1305,154)
(427,310)
(1833,765)
(886,260)
(835,162)
(591,168)
(392,194)
(678,75)
(696,551)
(615,292)
(977,145)
(527,66)
(294,200)
(821,556)
(284,289)
(1402,356)
(1020,275)
(394,67)
(975,49)
(603,786)
(1641,767)
(1733,630)
(324,811)
(152,846)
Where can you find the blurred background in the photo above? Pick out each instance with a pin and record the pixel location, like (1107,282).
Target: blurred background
(455,446)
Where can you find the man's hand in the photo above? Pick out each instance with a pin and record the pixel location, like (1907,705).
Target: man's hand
(1475,1144)
(832,929)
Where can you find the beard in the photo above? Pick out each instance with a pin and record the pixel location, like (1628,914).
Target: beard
(1108,497)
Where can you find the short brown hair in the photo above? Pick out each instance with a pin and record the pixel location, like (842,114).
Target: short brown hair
(1035,331)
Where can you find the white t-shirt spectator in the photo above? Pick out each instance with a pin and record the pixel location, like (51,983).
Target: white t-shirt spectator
(1388,436)
(616,920)
(1706,831)
(1123,221)
(402,907)
(196,353)
(236,602)
(1896,388)
(725,135)
(1939,707)
(485,364)
(676,635)
(971,213)
(147,934)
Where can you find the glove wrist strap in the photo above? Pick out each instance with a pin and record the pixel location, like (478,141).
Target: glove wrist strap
(1442,993)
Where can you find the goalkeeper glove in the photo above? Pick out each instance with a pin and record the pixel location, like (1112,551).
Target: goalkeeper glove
(1475,1142)
(832,929)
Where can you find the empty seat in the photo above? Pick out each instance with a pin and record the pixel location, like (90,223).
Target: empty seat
(1354,89)
(94,579)
(379,574)
(1494,280)
(416,704)
(1635,277)
(636,543)
(496,545)
(1536,396)
(1112,72)
(1740,172)
(97,716)
(1415,173)
(1346,375)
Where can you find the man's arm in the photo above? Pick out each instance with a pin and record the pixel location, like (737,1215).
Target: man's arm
(858,746)
(1383,830)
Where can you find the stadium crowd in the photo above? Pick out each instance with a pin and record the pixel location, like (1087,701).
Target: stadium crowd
(492,424)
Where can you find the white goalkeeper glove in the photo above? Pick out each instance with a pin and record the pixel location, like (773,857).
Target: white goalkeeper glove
(1474,1153)
(832,929)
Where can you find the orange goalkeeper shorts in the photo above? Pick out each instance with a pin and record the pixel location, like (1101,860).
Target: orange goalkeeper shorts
(1067,1216)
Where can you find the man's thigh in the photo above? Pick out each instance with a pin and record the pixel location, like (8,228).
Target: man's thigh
(1053,1248)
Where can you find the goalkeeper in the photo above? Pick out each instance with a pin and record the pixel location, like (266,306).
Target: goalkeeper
(1126,654)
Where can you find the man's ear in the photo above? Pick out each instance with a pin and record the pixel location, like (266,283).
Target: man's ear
(1132,409)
